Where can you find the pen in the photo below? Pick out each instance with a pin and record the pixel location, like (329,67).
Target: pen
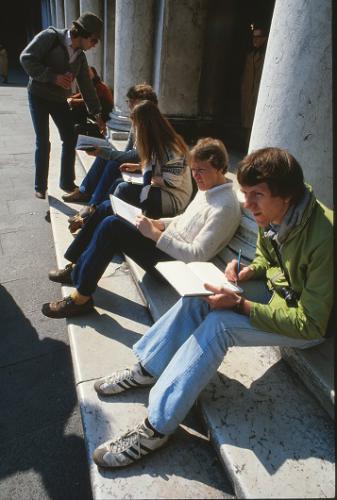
(239,260)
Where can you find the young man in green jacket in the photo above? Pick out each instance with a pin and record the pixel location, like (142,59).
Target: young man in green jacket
(287,301)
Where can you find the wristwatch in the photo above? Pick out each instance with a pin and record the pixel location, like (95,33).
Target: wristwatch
(239,305)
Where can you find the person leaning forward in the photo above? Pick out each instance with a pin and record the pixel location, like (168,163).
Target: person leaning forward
(287,301)
(53,59)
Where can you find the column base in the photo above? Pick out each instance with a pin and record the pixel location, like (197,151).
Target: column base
(119,122)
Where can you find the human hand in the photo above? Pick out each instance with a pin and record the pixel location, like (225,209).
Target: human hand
(101,125)
(146,227)
(64,80)
(231,272)
(158,224)
(129,167)
(157,182)
(222,298)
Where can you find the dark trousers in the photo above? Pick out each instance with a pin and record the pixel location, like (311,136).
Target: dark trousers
(102,175)
(103,236)
(40,109)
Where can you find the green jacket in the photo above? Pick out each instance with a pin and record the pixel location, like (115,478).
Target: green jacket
(307,254)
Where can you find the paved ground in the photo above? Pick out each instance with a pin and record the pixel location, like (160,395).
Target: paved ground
(41,442)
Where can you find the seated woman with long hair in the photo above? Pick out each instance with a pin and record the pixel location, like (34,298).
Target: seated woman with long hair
(198,234)
(167,183)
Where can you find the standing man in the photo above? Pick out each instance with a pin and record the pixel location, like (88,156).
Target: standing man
(251,80)
(3,64)
(53,59)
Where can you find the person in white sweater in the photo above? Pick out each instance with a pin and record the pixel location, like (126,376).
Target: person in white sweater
(198,234)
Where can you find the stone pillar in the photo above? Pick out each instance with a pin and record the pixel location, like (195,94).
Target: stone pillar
(178,56)
(59,14)
(95,55)
(71,11)
(294,108)
(109,42)
(133,53)
(53,12)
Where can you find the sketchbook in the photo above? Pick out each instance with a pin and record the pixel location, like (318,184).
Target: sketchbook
(133,177)
(88,143)
(189,279)
(124,210)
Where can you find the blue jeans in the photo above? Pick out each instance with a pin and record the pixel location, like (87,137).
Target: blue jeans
(184,348)
(103,173)
(99,240)
(40,109)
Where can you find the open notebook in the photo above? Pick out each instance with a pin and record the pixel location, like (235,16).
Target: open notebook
(124,210)
(189,279)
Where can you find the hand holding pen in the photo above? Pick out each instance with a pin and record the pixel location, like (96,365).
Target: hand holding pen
(235,271)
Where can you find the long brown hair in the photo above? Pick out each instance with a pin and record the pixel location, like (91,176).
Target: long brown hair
(155,133)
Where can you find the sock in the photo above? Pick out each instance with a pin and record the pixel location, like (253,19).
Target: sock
(149,426)
(78,298)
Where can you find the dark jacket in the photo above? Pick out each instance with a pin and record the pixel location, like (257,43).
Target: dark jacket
(45,57)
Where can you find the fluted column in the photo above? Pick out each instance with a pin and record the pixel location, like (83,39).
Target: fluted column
(294,108)
(133,53)
(59,14)
(53,12)
(109,42)
(71,11)
(178,57)
(95,55)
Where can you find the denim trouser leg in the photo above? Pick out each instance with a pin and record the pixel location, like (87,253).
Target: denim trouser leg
(110,174)
(61,115)
(111,236)
(130,193)
(185,348)
(93,177)
(40,119)
(83,238)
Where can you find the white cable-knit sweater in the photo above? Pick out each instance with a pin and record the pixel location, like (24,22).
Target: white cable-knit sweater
(207,225)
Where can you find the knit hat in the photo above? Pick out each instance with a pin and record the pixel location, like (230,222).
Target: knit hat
(90,23)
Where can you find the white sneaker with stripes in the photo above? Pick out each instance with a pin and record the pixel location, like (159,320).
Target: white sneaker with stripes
(122,380)
(128,448)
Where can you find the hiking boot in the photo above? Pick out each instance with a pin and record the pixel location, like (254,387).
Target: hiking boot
(66,308)
(123,380)
(78,220)
(76,197)
(62,275)
(128,448)
(70,188)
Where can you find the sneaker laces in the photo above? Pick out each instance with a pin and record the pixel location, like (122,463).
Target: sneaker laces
(119,376)
(130,438)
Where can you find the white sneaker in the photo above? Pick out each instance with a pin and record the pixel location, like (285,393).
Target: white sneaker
(122,380)
(128,448)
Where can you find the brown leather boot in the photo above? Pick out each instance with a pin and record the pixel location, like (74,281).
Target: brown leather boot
(62,275)
(76,197)
(66,308)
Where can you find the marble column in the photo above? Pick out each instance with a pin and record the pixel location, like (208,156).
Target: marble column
(178,55)
(109,42)
(71,11)
(294,108)
(133,53)
(53,12)
(59,14)
(95,55)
